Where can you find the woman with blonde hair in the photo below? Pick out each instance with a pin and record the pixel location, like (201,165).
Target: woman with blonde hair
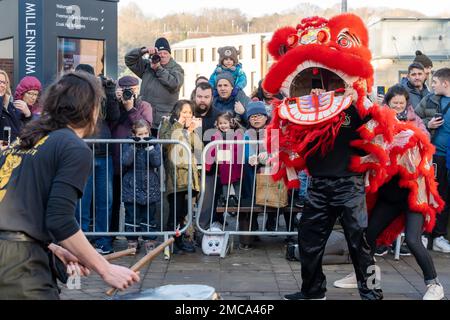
(12,117)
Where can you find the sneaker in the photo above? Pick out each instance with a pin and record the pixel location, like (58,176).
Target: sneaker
(348,282)
(133,244)
(301,296)
(150,245)
(404,251)
(434,292)
(425,241)
(103,249)
(245,246)
(300,203)
(381,251)
(441,244)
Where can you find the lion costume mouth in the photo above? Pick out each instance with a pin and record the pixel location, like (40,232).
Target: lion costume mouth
(304,108)
(318,54)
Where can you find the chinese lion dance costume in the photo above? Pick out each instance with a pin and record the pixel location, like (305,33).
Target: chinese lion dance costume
(333,55)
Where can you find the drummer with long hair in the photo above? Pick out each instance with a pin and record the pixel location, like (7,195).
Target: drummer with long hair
(41,178)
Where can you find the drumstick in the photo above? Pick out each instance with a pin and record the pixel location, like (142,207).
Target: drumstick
(146,259)
(120,254)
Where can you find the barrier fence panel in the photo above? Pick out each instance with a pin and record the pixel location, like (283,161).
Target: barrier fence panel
(238,195)
(131,174)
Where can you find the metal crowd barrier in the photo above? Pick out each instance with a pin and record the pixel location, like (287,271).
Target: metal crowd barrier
(231,217)
(161,209)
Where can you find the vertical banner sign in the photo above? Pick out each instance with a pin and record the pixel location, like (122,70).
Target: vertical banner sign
(30,39)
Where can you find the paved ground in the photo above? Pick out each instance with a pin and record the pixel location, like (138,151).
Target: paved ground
(263,273)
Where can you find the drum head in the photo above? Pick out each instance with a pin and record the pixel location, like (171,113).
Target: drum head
(173,292)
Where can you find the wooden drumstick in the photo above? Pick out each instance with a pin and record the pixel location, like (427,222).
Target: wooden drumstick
(145,259)
(120,254)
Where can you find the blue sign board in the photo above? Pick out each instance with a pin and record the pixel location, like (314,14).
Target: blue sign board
(30,39)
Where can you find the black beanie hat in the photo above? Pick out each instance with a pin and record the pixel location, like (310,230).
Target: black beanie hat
(423,59)
(162,44)
(86,68)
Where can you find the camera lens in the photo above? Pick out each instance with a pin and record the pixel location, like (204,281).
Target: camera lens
(155,58)
(127,94)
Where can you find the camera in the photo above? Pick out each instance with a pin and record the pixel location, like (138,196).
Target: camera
(402,116)
(106,82)
(127,94)
(155,58)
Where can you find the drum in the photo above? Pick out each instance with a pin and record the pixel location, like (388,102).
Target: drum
(173,292)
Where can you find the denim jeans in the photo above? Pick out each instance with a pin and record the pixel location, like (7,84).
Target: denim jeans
(102,201)
(304,180)
(138,222)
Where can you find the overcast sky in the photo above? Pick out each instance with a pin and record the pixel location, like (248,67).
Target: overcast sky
(254,8)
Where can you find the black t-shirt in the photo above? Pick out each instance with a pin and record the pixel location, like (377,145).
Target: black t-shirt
(335,163)
(56,166)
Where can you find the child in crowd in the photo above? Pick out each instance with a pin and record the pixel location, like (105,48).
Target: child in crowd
(260,94)
(141,188)
(228,62)
(227,157)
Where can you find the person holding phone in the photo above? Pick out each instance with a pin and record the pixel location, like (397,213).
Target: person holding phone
(434,111)
(180,126)
(13,114)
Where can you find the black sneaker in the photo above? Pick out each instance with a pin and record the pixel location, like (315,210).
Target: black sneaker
(104,249)
(301,296)
(300,203)
(381,251)
(404,250)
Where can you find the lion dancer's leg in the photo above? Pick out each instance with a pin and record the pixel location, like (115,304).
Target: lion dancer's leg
(316,224)
(350,195)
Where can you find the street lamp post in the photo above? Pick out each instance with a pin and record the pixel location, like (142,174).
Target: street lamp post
(343,6)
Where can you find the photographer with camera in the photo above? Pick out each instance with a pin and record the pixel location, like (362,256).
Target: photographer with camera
(132,108)
(99,188)
(161,77)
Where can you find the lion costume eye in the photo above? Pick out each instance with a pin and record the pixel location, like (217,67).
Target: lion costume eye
(347,40)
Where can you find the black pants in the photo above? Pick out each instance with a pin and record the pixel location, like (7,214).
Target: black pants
(391,204)
(25,272)
(328,199)
(177,209)
(440,229)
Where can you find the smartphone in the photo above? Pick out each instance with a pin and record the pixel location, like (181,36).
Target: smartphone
(438,115)
(6,136)
(381,90)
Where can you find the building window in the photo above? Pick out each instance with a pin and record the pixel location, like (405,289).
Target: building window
(252,81)
(7,58)
(72,52)
(402,74)
(194,55)
(178,55)
(241,52)
(202,55)
(213,54)
(253,51)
